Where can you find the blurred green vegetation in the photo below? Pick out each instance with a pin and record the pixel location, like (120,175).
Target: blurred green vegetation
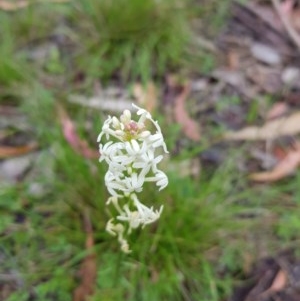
(205,230)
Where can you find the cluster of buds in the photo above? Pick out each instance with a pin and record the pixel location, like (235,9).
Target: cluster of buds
(131,152)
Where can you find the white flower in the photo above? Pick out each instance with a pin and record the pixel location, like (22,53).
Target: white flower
(107,131)
(140,217)
(118,229)
(156,141)
(125,117)
(132,217)
(124,246)
(111,227)
(147,215)
(114,201)
(160,178)
(131,155)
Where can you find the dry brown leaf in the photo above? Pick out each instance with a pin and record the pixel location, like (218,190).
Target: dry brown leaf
(88,270)
(277,110)
(296,18)
(293,13)
(279,153)
(189,126)
(289,125)
(70,134)
(286,7)
(286,20)
(233,60)
(15,5)
(146,96)
(279,282)
(266,13)
(13,151)
(284,168)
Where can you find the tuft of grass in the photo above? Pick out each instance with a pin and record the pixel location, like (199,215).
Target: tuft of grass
(11,66)
(145,39)
(169,259)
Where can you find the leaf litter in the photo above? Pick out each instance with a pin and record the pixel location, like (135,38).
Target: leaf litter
(69,131)
(248,75)
(273,129)
(287,166)
(146,97)
(190,128)
(271,279)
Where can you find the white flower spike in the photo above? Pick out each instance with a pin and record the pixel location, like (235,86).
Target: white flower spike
(131,155)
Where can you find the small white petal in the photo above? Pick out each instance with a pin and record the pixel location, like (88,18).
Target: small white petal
(162,183)
(119,133)
(114,185)
(144,147)
(116,123)
(138,164)
(100,137)
(125,246)
(135,145)
(111,199)
(110,227)
(158,159)
(141,111)
(112,192)
(125,160)
(116,168)
(134,180)
(148,156)
(125,117)
(144,134)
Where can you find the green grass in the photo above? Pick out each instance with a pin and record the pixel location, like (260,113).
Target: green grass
(142,41)
(171,251)
(169,259)
(10,65)
(92,38)
(210,225)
